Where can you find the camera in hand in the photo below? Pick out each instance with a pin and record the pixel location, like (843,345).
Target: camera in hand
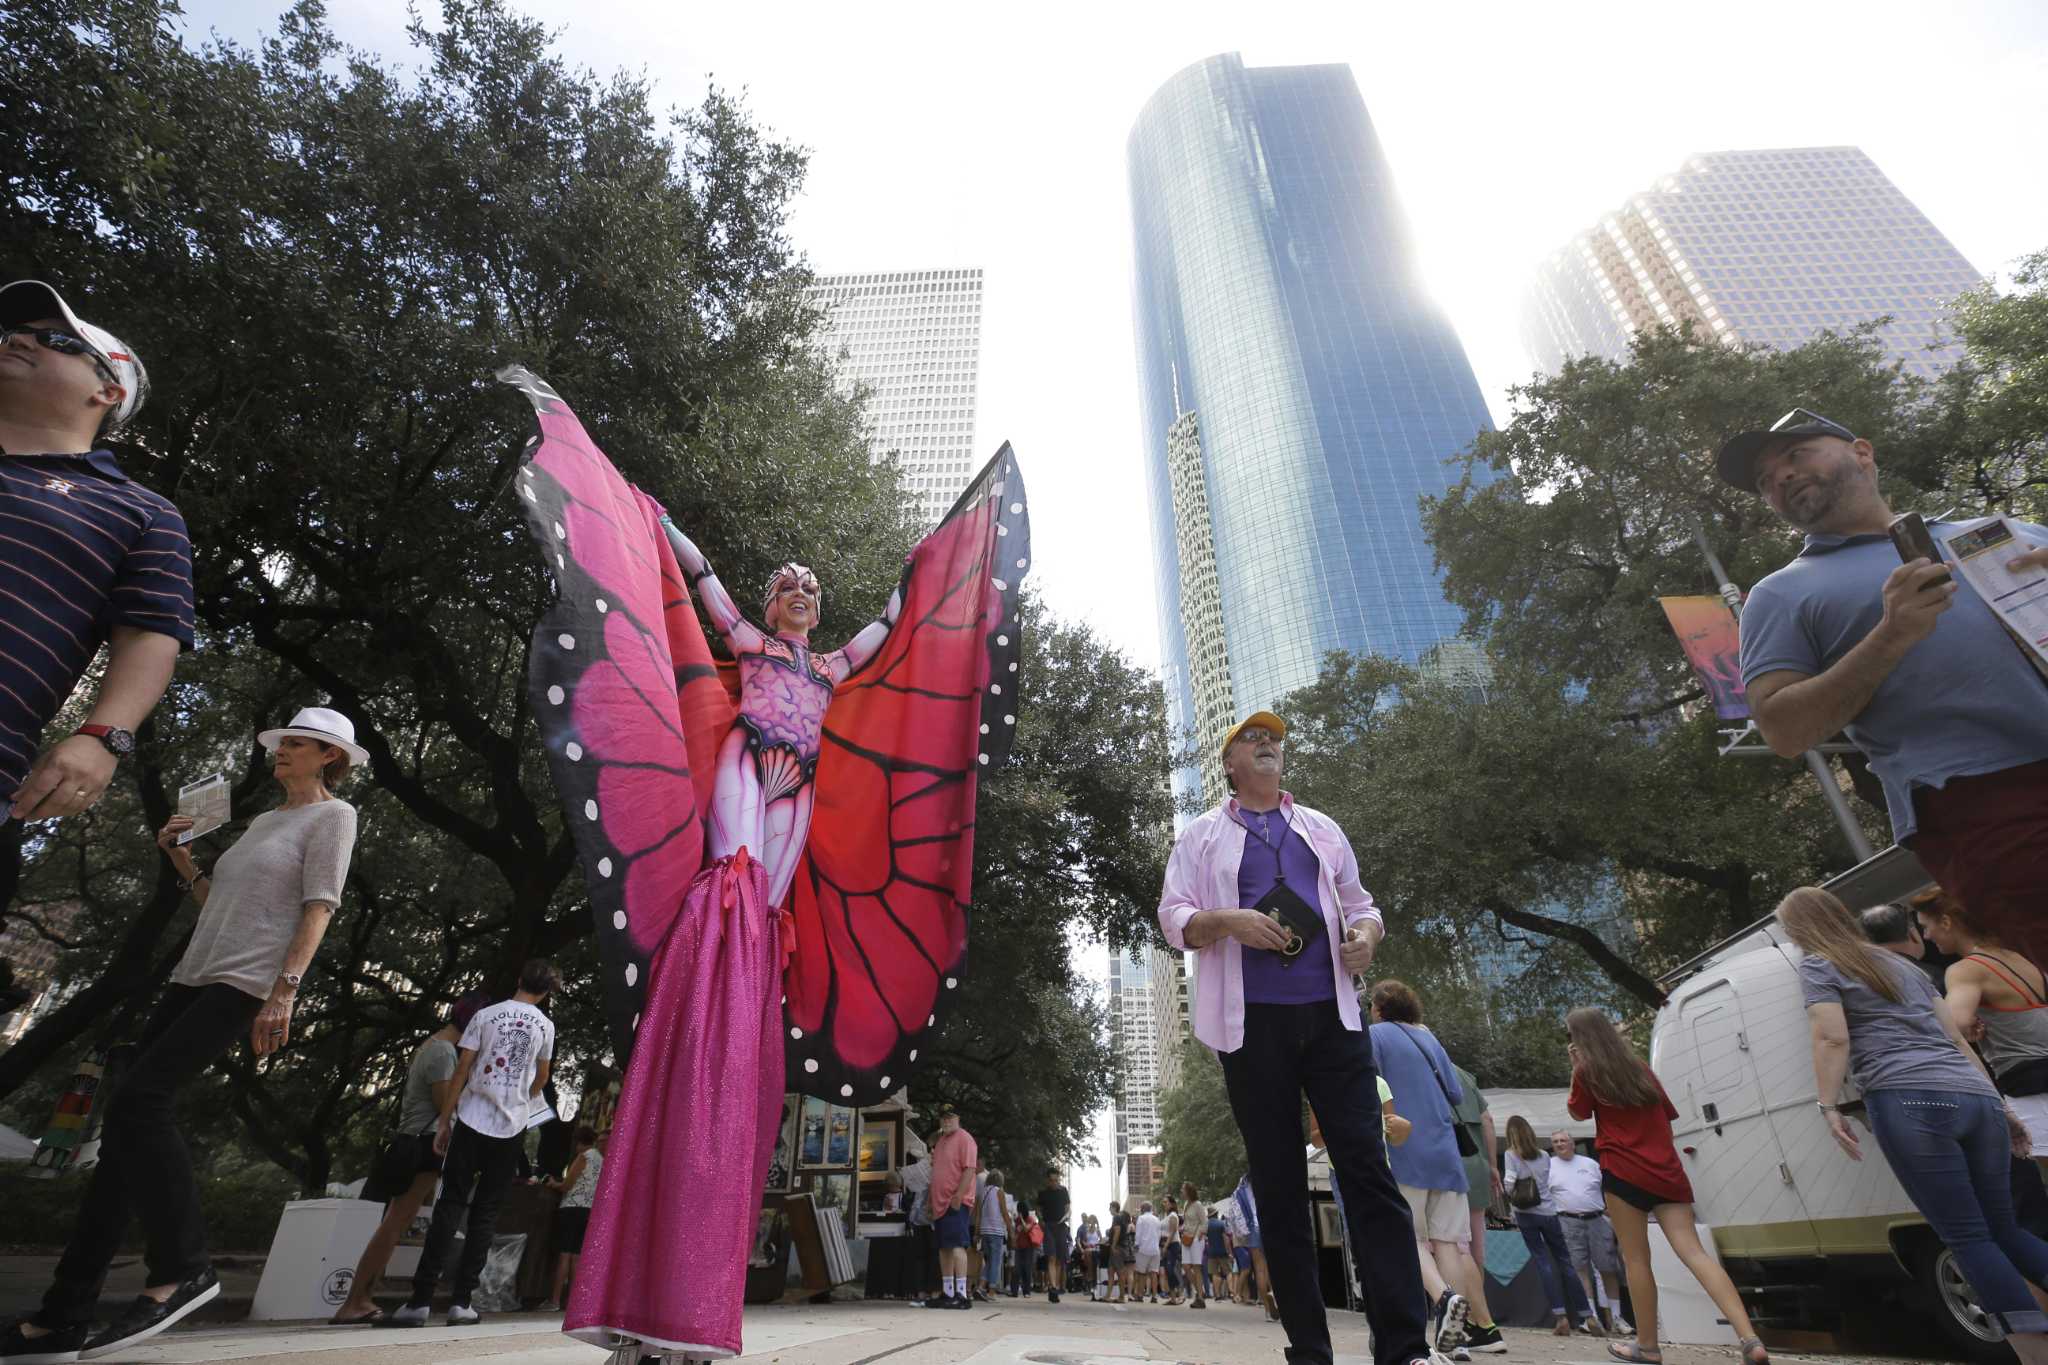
(1910,535)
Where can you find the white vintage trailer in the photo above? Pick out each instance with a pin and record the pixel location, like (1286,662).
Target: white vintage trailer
(1804,1231)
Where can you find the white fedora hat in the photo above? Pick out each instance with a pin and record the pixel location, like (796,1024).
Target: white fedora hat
(329,727)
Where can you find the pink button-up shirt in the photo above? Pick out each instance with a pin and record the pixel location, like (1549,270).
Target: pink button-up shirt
(1202,875)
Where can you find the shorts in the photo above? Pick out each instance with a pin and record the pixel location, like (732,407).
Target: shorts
(1147,1262)
(2033,1112)
(953,1229)
(1635,1196)
(1218,1265)
(570,1225)
(1591,1243)
(1059,1241)
(1126,1252)
(1439,1215)
(1244,1258)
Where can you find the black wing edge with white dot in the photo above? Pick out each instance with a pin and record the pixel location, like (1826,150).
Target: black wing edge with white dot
(553,673)
(1002,481)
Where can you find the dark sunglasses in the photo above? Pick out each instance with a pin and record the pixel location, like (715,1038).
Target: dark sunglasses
(63,343)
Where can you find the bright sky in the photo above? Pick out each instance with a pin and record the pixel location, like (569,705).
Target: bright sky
(944,135)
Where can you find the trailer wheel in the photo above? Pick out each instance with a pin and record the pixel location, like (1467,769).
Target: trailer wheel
(1956,1310)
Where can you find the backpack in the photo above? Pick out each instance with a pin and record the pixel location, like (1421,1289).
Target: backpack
(1034,1235)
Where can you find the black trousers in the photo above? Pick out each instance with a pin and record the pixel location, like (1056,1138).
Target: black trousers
(1289,1050)
(474,1178)
(144,1166)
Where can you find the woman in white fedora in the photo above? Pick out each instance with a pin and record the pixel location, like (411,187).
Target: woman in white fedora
(262,912)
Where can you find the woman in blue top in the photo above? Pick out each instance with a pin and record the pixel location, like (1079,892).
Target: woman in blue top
(1936,1116)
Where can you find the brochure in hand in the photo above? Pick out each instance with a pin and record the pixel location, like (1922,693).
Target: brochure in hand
(1982,554)
(206,801)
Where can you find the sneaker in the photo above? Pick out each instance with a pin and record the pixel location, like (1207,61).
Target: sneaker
(1590,1325)
(959,1303)
(462,1315)
(1486,1339)
(1460,1355)
(411,1315)
(57,1347)
(1450,1321)
(1052,1296)
(145,1317)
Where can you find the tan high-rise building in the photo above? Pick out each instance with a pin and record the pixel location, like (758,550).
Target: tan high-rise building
(1766,246)
(913,337)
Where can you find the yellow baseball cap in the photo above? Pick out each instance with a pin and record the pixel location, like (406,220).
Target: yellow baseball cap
(1265,719)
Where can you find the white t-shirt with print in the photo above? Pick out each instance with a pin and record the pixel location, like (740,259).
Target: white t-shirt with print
(510,1039)
(1575,1185)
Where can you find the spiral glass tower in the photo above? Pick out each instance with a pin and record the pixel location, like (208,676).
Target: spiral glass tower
(1300,389)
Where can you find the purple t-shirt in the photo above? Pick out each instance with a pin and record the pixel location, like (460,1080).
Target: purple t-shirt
(1266,980)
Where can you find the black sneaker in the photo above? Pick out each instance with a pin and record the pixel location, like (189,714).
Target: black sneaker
(1485,1339)
(1450,1321)
(1052,1296)
(962,1302)
(57,1347)
(146,1317)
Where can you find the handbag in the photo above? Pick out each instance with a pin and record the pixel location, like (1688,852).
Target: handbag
(1525,1193)
(1303,923)
(1466,1146)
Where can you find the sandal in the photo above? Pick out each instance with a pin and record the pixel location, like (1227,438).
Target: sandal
(1753,1352)
(369,1319)
(1633,1351)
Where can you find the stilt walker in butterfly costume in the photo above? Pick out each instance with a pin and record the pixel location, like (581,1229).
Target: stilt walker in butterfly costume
(779,852)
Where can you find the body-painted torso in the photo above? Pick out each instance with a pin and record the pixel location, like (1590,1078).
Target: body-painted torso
(784,690)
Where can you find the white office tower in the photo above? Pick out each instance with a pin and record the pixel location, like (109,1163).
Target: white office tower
(1763,246)
(913,338)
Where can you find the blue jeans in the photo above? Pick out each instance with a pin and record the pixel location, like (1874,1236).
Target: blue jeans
(1951,1152)
(992,1245)
(1544,1236)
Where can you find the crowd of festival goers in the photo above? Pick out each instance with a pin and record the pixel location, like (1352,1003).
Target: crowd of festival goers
(1903,658)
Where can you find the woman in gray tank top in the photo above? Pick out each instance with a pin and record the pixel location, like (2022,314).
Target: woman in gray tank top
(427,1077)
(2000,1003)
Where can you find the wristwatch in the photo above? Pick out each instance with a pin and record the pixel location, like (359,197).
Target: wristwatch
(120,743)
(291,979)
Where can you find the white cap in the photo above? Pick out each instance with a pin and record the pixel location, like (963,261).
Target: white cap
(329,727)
(27,300)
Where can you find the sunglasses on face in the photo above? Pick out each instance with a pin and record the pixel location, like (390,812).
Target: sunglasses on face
(63,343)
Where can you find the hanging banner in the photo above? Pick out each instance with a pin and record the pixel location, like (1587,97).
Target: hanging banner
(1708,633)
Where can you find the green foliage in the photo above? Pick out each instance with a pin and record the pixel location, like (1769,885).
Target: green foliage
(1069,843)
(1990,415)
(1198,1138)
(322,258)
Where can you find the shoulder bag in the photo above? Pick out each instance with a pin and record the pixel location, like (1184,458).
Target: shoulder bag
(1466,1145)
(1526,1192)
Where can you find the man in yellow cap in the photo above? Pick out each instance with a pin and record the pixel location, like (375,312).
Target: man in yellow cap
(1266,892)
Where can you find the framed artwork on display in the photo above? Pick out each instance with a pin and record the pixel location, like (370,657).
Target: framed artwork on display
(877,1146)
(782,1169)
(811,1135)
(768,1236)
(1329,1224)
(836,1192)
(839,1137)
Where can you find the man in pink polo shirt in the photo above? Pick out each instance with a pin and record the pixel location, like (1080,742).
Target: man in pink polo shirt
(1266,892)
(954,1155)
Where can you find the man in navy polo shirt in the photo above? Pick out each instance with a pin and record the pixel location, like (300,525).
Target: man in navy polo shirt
(1914,666)
(86,556)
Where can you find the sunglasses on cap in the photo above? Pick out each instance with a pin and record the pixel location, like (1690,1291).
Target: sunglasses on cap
(63,343)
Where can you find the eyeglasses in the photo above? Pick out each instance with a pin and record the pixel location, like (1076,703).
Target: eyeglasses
(63,343)
(1255,735)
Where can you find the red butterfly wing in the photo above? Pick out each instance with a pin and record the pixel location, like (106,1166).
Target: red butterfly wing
(881,895)
(621,681)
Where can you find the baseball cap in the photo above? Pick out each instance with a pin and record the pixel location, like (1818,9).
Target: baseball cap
(1736,460)
(1261,718)
(26,300)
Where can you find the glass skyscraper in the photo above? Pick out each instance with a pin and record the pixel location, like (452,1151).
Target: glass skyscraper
(1760,246)
(1300,390)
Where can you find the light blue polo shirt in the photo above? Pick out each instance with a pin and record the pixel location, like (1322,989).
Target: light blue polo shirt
(1963,701)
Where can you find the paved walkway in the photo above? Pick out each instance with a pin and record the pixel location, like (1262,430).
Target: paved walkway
(1010,1332)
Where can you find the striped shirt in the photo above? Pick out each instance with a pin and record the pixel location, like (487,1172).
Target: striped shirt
(83,548)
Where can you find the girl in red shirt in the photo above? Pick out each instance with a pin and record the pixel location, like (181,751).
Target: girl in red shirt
(1640,1176)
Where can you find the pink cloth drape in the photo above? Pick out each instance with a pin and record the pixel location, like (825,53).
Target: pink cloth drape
(665,1257)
